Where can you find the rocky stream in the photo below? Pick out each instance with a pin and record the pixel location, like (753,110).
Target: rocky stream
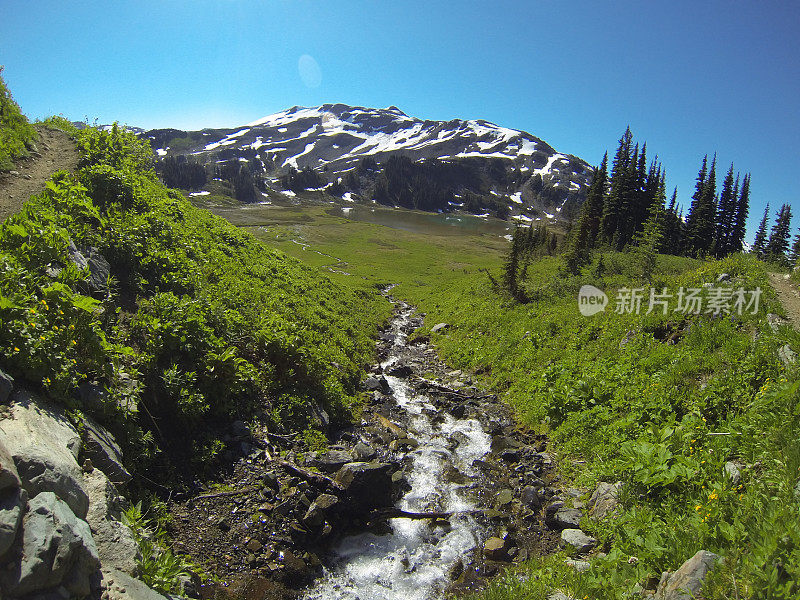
(434,492)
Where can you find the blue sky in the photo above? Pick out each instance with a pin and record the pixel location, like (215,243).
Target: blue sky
(689,77)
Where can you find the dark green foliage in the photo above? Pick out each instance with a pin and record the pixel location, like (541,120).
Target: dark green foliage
(778,244)
(673,227)
(701,220)
(209,323)
(726,216)
(621,188)
(16,134)
(794,254)
(306,179)
(583,236)
(178,172)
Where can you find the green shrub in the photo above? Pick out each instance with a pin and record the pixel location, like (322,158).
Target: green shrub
(16,134)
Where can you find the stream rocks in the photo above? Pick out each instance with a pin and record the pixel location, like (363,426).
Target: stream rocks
(276,516)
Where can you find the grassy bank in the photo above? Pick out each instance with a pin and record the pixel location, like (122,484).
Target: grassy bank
(660,402)
(194,324)
(16,134)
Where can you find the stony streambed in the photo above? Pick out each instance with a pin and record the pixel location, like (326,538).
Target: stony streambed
(335,524)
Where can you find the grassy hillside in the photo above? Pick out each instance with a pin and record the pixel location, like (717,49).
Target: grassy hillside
(660,402)
(16,134)
(196,323)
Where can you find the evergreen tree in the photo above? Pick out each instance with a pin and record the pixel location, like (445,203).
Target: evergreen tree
(673,226)
(794,253)
(760,241)
(726,215)
(778,242)
(583,236)
(700,224)
(742,210)
(619,187)
(648,242)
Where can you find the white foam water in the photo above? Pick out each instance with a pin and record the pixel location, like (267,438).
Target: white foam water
(414,560)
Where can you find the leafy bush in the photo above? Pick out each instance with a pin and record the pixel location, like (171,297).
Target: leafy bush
(16,134)
(198,324)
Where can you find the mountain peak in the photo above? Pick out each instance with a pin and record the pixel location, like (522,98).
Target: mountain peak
(334,138)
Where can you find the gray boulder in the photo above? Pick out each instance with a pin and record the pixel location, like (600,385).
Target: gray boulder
(45,446)
(787,355)
(332,460)
(686,582)
(578,540)
(116,546)
(368,485)
(98,266)
(604,499)
(364,452)
(317,513)
(118,585)
(99,271)
(566,518)
(103,450)
(12,507)
(733,471)
(57,551)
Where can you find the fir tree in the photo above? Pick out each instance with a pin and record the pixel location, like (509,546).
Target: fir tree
(582,237)
(794,253)
(619,185)
(700,224)
(648,242)
(778,242)
(726,215)
(760,241)
(742,210)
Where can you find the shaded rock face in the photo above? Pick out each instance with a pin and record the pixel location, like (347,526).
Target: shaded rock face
(12,507)
(367,485)
(6,386)
(45,446)
(102,449)
(9,478)
(57,550)
(686,582)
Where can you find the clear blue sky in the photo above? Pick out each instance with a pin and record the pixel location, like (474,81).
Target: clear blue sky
(689,77)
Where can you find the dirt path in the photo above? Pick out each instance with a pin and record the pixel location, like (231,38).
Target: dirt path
(789,295)
(55,151)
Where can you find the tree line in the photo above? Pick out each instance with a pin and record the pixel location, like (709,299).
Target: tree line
(627,208)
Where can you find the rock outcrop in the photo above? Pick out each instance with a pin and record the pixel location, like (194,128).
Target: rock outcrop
(686,582)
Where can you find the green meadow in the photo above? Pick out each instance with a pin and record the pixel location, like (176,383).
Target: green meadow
(659,401)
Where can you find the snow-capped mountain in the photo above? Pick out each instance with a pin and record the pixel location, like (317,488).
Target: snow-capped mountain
(512,172)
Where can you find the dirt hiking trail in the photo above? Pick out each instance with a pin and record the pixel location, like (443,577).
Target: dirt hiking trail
(789,295)
(54,151)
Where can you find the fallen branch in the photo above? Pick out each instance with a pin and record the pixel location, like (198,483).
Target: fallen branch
(317,478)
(397,513)
(246,490)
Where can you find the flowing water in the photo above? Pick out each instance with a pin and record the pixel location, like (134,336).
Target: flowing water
(413,562)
